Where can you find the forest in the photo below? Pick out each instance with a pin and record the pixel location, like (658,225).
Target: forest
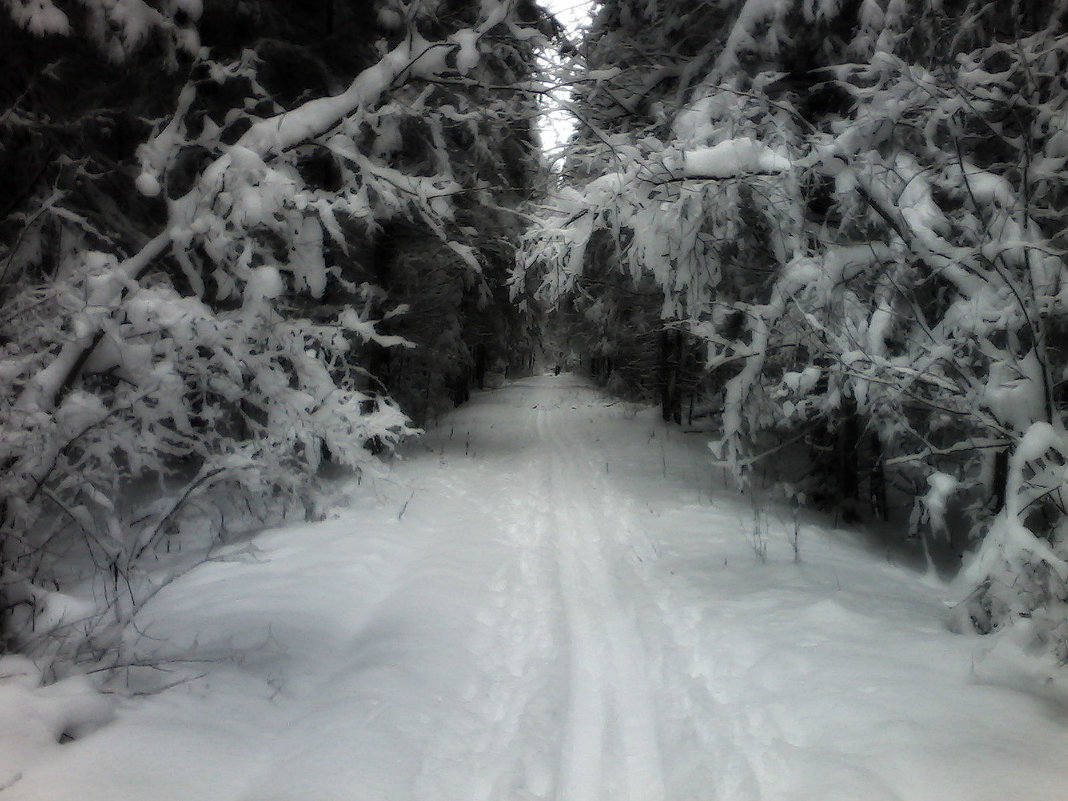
(247,247)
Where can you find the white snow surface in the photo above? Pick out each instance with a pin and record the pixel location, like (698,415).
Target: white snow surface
(731,158)
(553,596)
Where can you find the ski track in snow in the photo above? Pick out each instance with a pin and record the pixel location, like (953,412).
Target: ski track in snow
(536,609)
(578,646)
(610,700)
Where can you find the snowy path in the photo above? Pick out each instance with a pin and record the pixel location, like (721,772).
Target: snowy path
(552,598)
(607,658)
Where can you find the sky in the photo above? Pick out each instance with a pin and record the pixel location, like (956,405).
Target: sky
(570,12)
(557,125)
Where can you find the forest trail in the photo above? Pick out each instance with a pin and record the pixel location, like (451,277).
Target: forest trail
(552,596)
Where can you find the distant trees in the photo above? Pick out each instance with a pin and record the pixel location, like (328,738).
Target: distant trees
(857,209)
(213,233)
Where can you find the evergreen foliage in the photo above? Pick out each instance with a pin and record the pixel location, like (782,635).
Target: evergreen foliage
(224,218)
(858,209)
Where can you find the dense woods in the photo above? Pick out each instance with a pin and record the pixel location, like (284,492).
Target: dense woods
(246,244)
(836,228)
(243,243)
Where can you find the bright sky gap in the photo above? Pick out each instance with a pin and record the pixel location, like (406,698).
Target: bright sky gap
(557,125)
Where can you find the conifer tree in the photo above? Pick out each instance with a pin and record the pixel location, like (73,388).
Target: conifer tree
(194,287)
(856,208)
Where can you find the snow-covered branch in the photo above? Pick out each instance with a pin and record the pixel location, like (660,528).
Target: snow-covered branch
(230,345)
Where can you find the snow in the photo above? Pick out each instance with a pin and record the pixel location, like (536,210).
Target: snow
(148,184)
(192,8)
(40,17)
(553,596)
(1014,391)
(754,17)
(732,158)
(263,283)
(34,717)
(940,486)
(467,57)
(307,261)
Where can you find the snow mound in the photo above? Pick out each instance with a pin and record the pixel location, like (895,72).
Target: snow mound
(34,718)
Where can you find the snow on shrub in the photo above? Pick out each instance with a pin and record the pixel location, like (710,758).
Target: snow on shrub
(888,278)
(206,360)
(1021,567)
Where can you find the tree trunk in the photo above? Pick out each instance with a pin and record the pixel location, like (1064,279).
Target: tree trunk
(877,481)
(481,365)
(1001,480)
(670,362)
(846,465)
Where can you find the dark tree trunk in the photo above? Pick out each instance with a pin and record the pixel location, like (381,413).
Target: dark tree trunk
(846,462)
(601,369)
(671,346)
(877,481)
(1001,480)
(481,365)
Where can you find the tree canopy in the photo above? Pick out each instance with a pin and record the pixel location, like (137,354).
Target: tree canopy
(217,257)
(247,244)
(850,212)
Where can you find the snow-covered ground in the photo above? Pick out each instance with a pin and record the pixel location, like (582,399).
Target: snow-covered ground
(554,597)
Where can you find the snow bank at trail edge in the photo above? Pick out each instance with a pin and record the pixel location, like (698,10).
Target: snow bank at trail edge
(33,717)
(552,597)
